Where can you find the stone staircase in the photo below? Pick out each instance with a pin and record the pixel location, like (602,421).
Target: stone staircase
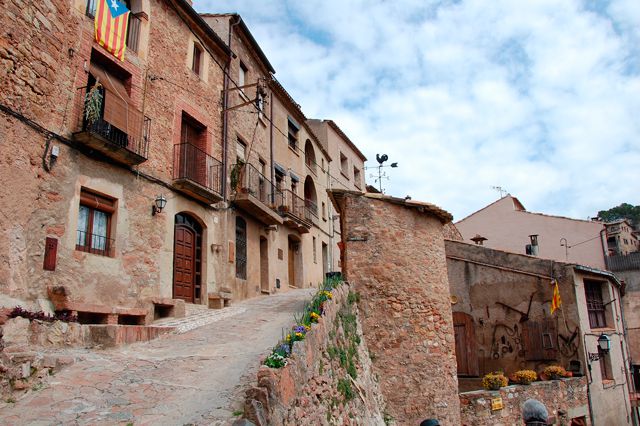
(197,316)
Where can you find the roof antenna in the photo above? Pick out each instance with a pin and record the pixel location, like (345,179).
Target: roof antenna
(501,190)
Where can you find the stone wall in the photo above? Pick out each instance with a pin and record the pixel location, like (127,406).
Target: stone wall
(395,257)
(315,387)
(484,280)
(564,399)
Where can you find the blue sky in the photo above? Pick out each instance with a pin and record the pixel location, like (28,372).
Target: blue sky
(539,97)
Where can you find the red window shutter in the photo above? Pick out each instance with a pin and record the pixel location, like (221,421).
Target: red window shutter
(50,254)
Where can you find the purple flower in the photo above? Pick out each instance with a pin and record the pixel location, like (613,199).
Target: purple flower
(299,329)
(284,348)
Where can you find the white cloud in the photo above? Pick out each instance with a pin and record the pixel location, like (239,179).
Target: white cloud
(540,97)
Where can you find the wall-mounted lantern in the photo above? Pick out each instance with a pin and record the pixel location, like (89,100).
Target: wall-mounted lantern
(159,203)
(604,346)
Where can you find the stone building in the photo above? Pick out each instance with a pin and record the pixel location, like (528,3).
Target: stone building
(394,256)
(501,311)
(346,171)
(195,179)
(621,238)
(506,225)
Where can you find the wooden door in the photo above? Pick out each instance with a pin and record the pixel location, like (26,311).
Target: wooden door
(184,265)
(292,266)
(540,340)
(466,349)
(264,265)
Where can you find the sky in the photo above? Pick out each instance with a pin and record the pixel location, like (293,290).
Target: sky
(541,97)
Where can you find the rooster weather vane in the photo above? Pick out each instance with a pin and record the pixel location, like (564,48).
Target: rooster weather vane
(381,174)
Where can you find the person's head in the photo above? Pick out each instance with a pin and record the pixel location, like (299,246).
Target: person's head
(534,412)
(430,422)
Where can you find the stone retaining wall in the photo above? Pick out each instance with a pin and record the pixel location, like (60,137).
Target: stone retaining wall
(565,399)
(314,387)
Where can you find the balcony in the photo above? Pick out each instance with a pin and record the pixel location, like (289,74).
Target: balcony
(196,173)
(256,195)
(121,134)
(295,212)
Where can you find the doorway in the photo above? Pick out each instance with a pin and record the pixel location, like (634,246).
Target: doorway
(187,253)
(264,265)
(325,260)
(465,338)
(294,261)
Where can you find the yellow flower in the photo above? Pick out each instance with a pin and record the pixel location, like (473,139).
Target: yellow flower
(299,335)
(306,327)
(288,337)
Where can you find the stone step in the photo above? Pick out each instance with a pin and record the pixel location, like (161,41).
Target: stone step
(198,319)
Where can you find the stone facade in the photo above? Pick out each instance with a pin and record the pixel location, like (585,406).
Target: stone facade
(339,147)
(493,290)
(314,387)
(49,58)
(564,399)
(394,256)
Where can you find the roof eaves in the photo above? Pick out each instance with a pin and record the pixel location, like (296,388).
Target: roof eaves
(352,145)
(596,271)
(200,22)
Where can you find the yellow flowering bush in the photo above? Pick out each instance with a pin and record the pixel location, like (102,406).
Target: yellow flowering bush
(314,316)
(525,377)
(554,372)
(494,381)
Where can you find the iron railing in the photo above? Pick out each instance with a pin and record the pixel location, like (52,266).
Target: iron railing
(253,182)
(312,207)
(295,206)
(626,262)
(134,139)
(96,244)
(192,163)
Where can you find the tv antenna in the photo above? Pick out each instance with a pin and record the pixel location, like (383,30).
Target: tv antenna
(501,190)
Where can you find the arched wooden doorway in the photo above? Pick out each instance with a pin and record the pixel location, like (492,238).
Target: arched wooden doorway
(187,258)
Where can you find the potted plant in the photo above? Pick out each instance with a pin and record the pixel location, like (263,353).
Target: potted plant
(554,372)
(524,377)
(494,381)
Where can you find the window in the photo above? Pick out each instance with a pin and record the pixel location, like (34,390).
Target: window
(241,151)
(94,224)
(294,186)
(279,180)
(356,177)
(595,307)
(196,66)
(242,75)
(344,165)
(315,258)
(192,132)
(324,211)
(293,134)
(605,365)
(241,248)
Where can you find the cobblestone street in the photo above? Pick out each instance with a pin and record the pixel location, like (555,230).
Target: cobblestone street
(190,378)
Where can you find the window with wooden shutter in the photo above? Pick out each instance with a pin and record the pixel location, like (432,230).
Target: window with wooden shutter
(540,340)
(595,306)
(465,341)
(94,224)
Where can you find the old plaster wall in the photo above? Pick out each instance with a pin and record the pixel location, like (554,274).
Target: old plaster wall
(480,278)
(609,395)
(631,307)
(395,258)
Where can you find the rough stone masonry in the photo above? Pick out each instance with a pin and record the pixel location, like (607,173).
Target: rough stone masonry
(394,256)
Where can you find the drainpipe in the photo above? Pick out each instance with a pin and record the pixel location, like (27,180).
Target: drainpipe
(272,174)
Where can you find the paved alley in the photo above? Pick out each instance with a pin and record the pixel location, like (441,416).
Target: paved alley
(190,378)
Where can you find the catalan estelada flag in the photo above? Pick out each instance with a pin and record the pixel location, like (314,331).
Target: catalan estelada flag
(555,300)
(111,20)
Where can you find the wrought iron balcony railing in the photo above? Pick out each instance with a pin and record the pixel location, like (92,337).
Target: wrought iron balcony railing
(193,164)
